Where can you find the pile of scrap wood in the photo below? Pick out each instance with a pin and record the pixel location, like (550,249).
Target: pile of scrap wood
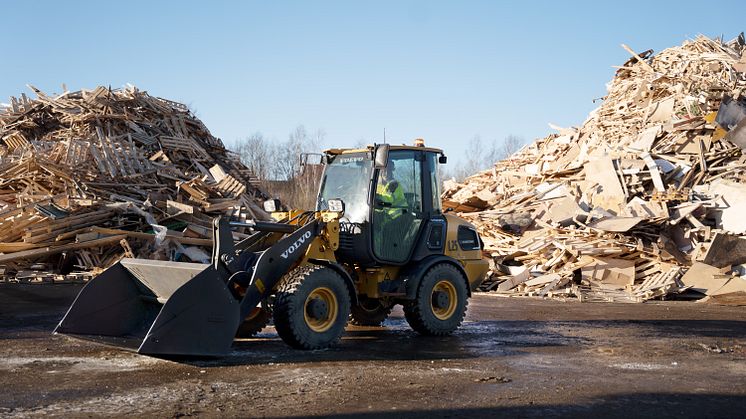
(89,177)
(625,207)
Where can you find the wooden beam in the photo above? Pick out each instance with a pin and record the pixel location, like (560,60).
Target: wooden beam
(53,250)
(148,236)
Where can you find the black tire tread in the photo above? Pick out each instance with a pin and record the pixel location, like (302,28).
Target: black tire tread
(413,311)
(362,317)
(250,328)
(285,303)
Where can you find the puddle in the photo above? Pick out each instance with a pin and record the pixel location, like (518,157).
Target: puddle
(639,366)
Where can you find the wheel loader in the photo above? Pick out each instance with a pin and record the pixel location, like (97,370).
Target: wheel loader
(377,238)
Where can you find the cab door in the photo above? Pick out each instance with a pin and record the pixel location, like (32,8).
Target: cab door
(397,206)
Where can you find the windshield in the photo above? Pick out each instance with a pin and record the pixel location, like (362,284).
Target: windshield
(347,178)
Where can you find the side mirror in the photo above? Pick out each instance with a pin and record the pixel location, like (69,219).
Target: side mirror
(442,159)
(382,156)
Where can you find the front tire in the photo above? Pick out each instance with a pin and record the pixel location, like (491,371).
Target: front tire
(441,301)
(312,307)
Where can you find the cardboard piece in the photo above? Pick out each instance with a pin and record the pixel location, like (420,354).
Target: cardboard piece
(610,271)
(662,111)
(731,299)
(646,138)
(733,285)
(638,207)
(616,224)
(702,277)
(730,213)
(541,280)
(563,210)
(609,192)
(518,275)
(547,190)
(726,250)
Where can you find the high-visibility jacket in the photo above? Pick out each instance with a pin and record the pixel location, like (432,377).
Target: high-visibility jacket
(391,193)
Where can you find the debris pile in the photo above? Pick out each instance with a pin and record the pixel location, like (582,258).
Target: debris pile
(92,176)
(643,194)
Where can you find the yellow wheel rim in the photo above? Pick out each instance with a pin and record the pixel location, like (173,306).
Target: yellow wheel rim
(323,323)
(446,287)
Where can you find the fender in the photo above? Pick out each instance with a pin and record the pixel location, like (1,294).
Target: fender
(343,272)
(412,273)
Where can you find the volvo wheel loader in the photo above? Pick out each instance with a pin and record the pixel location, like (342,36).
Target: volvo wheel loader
(376,238)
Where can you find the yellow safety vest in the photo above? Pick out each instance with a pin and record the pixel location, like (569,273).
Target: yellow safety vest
(395,198)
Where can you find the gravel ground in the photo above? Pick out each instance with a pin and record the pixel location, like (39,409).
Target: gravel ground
(522,357)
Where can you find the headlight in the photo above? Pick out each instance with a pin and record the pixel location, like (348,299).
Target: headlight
(336,205)
(272,205)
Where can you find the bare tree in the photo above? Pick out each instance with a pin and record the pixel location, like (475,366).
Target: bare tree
(287,161)
(257,154)
(446,173)
(481,155)
(510,145)
(317,141)
(278,166)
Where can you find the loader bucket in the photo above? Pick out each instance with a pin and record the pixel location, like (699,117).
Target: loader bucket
(156,308)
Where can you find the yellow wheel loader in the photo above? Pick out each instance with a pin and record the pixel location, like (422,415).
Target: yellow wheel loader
(377,238)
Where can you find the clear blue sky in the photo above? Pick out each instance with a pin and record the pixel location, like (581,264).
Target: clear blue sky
(445,71)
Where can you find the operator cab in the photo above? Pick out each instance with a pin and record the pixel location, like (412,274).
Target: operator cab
(391,196)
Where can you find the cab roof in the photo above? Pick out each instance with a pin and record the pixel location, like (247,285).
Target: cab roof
(336,151)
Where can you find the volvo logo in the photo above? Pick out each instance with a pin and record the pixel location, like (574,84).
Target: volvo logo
(298,243)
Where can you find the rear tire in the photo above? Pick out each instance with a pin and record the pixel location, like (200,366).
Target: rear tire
(441,301)
(311,307)
(370,312)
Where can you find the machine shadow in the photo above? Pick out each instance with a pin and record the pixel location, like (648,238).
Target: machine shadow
(395,341)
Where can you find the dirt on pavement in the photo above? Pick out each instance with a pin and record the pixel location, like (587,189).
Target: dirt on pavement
(523,357)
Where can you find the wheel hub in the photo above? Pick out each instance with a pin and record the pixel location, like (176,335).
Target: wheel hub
(441,300)
(444,300)
(321,309)
(317,309)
